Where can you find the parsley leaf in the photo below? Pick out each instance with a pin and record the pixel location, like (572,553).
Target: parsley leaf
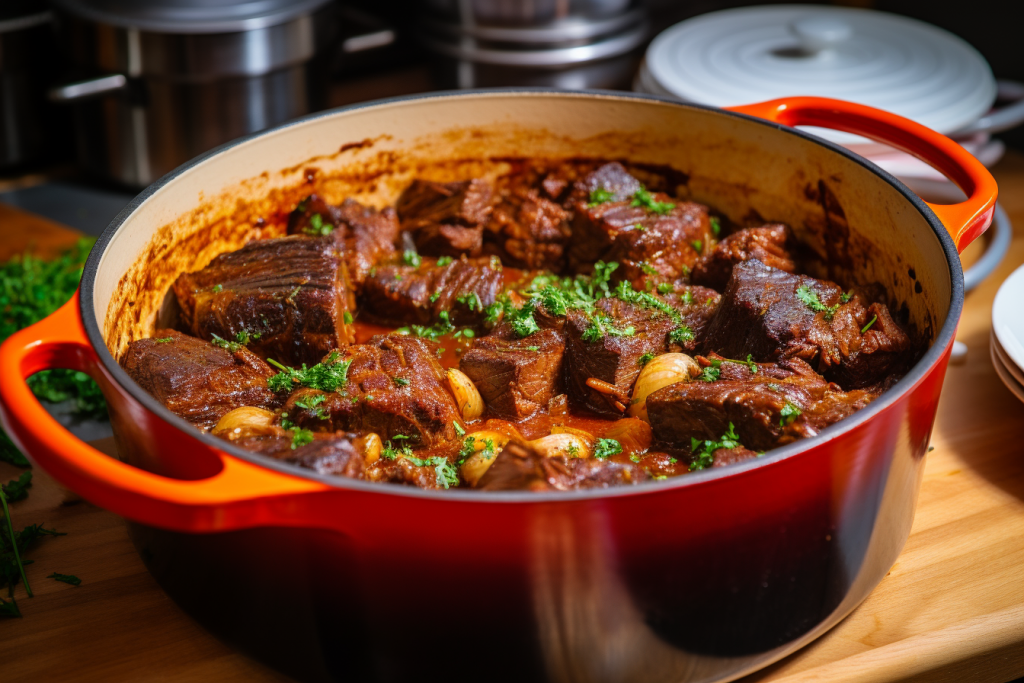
(716,225)
(712,372)
(17,490)
(605,448)
(400,381)
(164,340)
(645,359)
(411,258)
(66,578)
(788,414)
(665,288)
(9,609)
(300,437)
(868,326)
(645,199)
(10,453)
(327,375)
(225,344)
(600,196)
(703,452)
(317,227)
(444,261)
(681,335)
(810,299)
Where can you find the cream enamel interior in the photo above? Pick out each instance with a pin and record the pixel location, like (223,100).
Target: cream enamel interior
(739,167)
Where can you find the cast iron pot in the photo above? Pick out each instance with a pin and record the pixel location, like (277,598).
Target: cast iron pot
(705,577)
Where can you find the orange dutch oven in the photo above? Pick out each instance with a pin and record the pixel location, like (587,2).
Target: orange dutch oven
(705,577)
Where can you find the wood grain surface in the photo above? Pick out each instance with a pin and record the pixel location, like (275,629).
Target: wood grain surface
(951,608)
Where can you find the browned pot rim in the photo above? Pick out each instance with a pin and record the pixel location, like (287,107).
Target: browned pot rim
(932,357)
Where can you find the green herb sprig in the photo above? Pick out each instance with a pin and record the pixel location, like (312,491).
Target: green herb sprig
(703,451)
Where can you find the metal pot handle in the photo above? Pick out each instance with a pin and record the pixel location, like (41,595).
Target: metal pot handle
(964,221)
(91,87)
(240,495)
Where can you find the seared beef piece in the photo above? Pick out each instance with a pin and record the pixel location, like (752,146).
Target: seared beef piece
(664,247)
(766,411)
(696,306)
(286,298)
(395,387)
(770,314)
(731,456)
(516,377)
(197,380)
(446,219)
(364,234)
(772,245)
(519,467)
(464,288)
(611,177)
(327,453)
(867,358)
(599,346)
(554,186)
(529,231)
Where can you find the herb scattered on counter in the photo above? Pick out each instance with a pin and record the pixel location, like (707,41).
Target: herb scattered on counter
(704,451)
(18,489)
(327,375)
(788,414)
(10,453)
(443,470)
(868,326)
(411,258)
(66,578)
(606,448)
(444,261)
(600,196)
(317,227)
(810,299)
(645,199)
(9,608)
(716,225)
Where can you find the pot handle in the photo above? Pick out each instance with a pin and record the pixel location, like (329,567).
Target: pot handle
(240,495)
(964,221)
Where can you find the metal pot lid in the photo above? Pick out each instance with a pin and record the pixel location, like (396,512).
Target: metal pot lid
(882,60)
(190,16)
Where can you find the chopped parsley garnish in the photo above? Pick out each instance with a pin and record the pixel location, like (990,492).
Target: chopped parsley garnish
(310,402)
(681,335)
(712,372)
(66,578)
(601,325)
(645,199)
(606,448)
(411,258)
(327,375)
(444,261)
(648,268)
(446,474)
(533,348)
(225,344)
(164,340)
(645,359)
(459,429)
(665,288)
(846,296)
(434,297)
(244,337)
(432,332)
(347,318)
(389,452)
(317,227)
(788,414)
(716,225)
(687,298)
(868,326)
(697,245)
(572,450)
(704,451)
(465,332)
(400,381)
(600,196)
(470,301)
(810,299)
(217,289)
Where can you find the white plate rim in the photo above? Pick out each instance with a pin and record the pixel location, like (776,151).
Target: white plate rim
(1008,316)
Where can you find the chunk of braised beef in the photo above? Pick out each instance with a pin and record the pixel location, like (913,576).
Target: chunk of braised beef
(516,377)
(661,248)
(528,230)
(696,307)
(363,234)
(771,314)
(771,244)
(611,179)
(335,455)
(766,411)
(284,298)
(723,457)
(197,380)
(395,388)
(446,219)
(460,290)
(519,467)
(604,349)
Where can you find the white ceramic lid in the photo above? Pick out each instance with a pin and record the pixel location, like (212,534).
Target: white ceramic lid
(748,55)
(1008,317)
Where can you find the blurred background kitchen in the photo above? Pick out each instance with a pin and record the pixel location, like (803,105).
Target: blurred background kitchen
(98,98)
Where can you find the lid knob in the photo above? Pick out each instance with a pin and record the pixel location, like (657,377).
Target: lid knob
(817,34)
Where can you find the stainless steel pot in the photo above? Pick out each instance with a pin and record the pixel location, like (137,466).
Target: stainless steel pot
(167,80)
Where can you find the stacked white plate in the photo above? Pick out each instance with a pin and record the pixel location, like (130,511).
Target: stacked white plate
(1007,340)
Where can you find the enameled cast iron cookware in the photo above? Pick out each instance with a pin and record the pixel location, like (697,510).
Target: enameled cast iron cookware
(705,577)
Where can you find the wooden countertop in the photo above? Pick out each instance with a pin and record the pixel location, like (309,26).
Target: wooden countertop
(951,608)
